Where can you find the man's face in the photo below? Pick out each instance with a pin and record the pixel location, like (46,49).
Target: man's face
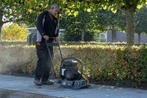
(55,11)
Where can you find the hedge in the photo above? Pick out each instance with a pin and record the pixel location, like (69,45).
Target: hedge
(101,62)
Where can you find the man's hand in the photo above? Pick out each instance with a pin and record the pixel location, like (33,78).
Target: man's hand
(46,37)
(56,39)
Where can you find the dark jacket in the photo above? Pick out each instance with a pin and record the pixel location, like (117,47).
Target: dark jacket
(46,25)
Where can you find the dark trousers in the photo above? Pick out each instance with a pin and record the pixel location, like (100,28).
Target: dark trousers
(44,61)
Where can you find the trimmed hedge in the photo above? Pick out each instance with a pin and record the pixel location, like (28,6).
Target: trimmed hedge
(101,62)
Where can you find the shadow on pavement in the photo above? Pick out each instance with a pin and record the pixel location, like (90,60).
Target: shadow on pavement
(16,94)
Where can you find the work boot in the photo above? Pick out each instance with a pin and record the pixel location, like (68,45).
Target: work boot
(47,82)
(37,82)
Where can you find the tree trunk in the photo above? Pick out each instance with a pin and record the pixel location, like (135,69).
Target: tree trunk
(0,32)
(83,36)
(113,33)
(1,24)
(130,27)
(139,38)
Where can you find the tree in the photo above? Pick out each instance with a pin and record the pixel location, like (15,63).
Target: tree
(107,20)
(141,22)
(14,32)
(129,7)
(24,11)
(77,20)
(10,11)
(86,17)
(78,28)
(6,9)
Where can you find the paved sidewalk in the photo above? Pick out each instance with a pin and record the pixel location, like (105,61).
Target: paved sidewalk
(23,86)
(4,93)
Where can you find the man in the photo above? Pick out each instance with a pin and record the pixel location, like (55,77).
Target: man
(47,27)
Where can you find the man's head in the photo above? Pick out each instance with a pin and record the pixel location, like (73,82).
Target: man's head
(55,9)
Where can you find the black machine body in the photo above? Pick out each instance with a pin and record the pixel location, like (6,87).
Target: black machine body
(71,76)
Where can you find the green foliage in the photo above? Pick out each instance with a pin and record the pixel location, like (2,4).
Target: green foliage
(23,10)
(75,26)
(141,20)
(14,32)
(129,6)
(94,22)
(141,64)
(106,19)
(116,63)
(101,62)
(128,65)
(114,4)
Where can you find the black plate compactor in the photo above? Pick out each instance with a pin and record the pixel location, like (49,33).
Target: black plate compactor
(71,75)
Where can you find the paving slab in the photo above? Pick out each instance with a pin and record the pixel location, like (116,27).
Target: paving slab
(24,86)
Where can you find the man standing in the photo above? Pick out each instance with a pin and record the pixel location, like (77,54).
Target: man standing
(47,27)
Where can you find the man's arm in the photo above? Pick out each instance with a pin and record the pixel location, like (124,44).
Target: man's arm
(40,23)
